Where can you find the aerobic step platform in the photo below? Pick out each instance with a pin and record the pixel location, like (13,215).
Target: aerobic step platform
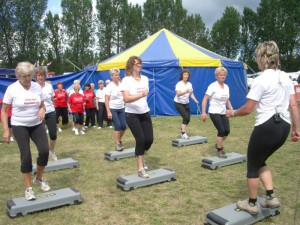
(116,155)
(46,200)
(191,141)
(230,215)
(132,182)
(215,162)
(58,165)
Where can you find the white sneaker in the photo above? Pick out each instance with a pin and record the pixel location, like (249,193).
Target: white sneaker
(47,131)
(73,129)
(85,127)
(82,132)
(11,138)
(99,128)
(53,155)
(44,185)
(110,127)
(29,194)
(184,136)
(76,132)
(59,130)
(94,126)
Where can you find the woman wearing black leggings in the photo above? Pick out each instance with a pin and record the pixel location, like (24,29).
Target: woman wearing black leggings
(184,90)
(271,94)
(135,88)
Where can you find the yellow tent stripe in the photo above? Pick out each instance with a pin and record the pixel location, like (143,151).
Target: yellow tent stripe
(188,55)
(121,59)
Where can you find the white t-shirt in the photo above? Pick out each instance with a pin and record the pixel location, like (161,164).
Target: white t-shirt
(25,103)
(218,97)
(271,90)
(101,95)
(134,87)
(182,87)
(48,94)
(115,96)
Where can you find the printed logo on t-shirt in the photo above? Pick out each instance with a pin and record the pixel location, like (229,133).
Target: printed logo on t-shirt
(30,101)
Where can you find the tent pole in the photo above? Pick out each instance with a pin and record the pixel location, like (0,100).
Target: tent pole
(93,71)
(154,87)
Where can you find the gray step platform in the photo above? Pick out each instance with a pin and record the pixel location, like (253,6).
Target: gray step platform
(58,165)
(215,162)
(191,141)
(131,182)
(230,215)
(116,155)
(46,200)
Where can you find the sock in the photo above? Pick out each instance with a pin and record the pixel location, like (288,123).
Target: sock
(252,201)
(269,193)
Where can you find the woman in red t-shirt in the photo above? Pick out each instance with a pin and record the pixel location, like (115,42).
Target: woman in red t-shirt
(76,104)
(61,106)
(89,95)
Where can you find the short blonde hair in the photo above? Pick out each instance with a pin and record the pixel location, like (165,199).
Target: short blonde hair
(100,82)
(76,86)
(24,69)
(114,70)
(220,69)
(267,55)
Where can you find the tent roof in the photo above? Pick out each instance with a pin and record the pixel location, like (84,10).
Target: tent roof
(165,49)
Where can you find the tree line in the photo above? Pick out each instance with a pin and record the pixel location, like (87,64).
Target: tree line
(83,35)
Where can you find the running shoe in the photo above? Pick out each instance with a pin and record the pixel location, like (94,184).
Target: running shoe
(43,185)
(143,174)
(53,155)
(248,207)
(29,194)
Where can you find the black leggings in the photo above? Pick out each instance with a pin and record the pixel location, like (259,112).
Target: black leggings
(39,137)
(63,112)
(50,120)
(89,116)
(142,130)
(184,111)
(78,118)
(221,123)
(264,141)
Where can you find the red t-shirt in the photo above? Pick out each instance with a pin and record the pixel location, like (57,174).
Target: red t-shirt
(76,103)
(60,98)
(89,96)
(9,110)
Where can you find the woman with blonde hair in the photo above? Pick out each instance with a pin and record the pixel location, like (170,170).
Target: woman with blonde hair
(28,113)
(272,94)
(218,95)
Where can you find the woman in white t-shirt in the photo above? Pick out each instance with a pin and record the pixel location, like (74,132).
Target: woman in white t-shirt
(218,95)
(271,93)
(28,112)
(50,117)
(184,90)
(115,107)
(135,90)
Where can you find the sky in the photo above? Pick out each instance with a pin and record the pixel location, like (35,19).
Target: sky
(209,10)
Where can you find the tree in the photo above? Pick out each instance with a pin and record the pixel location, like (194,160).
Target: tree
(27,29)
(281,24)
(157,15)
(225,33)
(249,27)
(78,23)
(53,32)
(132,30)
(7,20)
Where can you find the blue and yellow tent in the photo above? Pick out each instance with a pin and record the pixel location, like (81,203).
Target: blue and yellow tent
(164,55)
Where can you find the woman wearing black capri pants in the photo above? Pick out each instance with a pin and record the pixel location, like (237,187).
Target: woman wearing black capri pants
(135,89)
(184,90)
(271,94)
(28,112)
(218,94)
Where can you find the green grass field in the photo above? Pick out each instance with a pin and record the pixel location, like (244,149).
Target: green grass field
(184,201)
